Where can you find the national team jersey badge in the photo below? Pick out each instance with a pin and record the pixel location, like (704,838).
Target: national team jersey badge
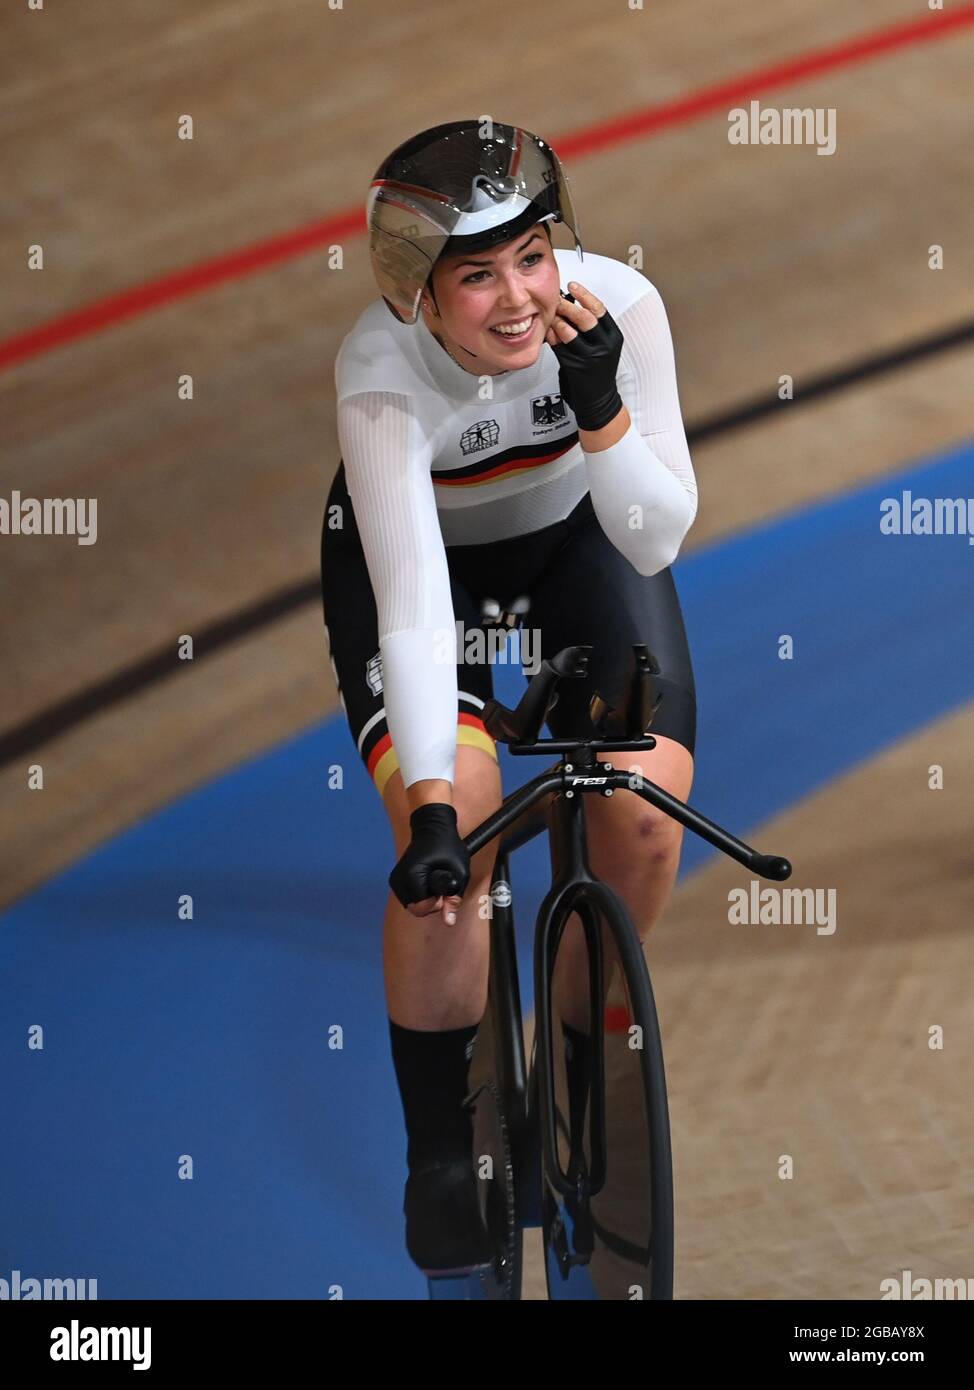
(483,435)
(547,410)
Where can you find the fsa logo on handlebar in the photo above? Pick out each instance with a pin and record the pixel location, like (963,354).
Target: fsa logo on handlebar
(589,781)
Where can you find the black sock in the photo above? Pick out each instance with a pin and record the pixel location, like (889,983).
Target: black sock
(431,1069)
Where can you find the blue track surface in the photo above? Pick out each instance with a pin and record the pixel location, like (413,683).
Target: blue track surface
(210,1037)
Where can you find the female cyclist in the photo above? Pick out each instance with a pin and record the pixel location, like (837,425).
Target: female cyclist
(499,438)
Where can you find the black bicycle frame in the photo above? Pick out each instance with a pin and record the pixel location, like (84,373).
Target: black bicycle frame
(575,890)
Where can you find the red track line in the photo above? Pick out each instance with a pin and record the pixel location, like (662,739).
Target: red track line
(249,260)
(684,109)
(178,284)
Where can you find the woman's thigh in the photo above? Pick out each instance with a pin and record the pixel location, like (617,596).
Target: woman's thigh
(351,632)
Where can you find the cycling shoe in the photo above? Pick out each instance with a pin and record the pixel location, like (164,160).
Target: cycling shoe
(445,1231)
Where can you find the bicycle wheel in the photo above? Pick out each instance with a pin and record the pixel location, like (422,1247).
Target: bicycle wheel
(608,1186)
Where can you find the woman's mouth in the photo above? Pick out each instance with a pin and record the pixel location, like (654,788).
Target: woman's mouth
(522,330)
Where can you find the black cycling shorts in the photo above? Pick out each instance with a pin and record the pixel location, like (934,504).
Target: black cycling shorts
(581,591)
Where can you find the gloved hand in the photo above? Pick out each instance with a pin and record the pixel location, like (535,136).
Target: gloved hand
(587,370)
(435,845)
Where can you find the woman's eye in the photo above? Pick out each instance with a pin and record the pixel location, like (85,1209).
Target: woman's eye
(475,277)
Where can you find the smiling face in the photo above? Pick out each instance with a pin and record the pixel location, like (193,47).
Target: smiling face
(514,284)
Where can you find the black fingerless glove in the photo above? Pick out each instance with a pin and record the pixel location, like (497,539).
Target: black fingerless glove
(435,844)
(587,372)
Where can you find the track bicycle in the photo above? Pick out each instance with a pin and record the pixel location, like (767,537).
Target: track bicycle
(577,1143)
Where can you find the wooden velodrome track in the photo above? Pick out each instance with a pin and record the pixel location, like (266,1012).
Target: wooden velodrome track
(770,260)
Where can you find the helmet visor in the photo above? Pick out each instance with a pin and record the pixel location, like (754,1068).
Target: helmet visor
(457,184)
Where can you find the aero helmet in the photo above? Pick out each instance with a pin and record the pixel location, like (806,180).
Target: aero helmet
(464,186)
